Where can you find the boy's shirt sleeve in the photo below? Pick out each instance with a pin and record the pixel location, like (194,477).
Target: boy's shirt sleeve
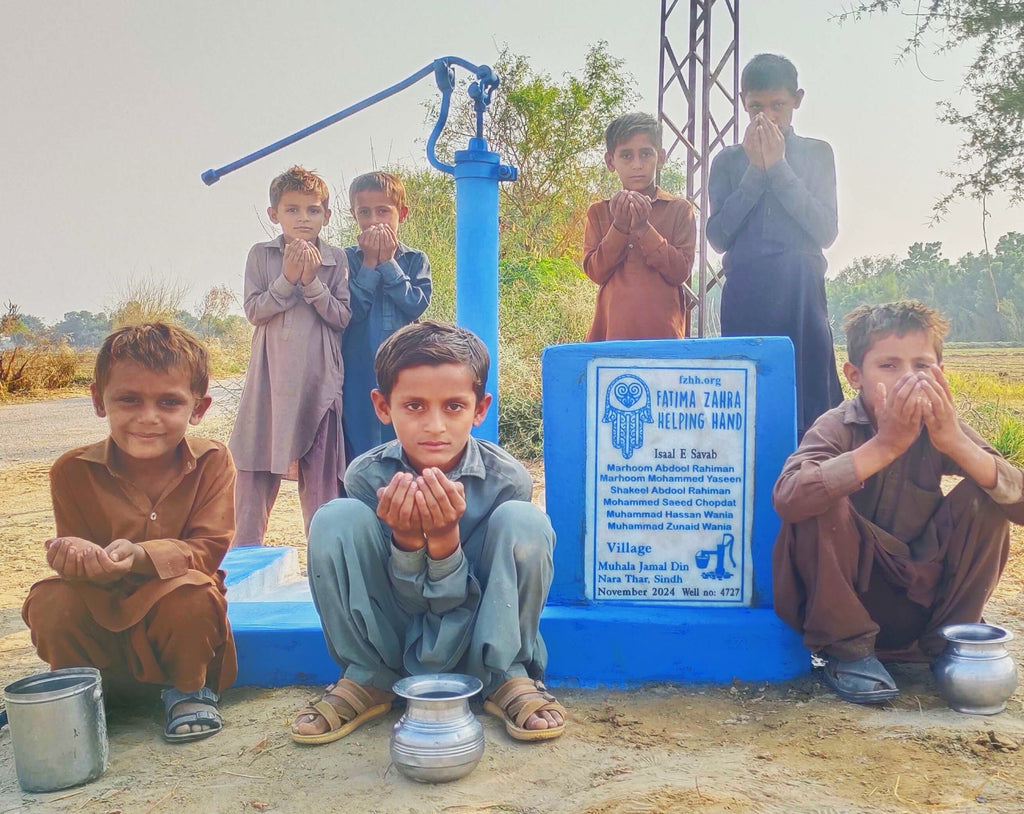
(672,256)
(362,285)
(604,246)
(811,200)
(731,206)
(265,298)
(331,302)
(68,516)
(1008,493)
(818,474)
(406,284)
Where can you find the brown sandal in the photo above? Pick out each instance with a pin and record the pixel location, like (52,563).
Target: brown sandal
(365,706)
(519,698)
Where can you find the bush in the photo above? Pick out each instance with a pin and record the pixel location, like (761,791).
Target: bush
(44,366)
(542,302)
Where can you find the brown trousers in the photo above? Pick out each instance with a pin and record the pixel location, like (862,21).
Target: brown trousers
(180,641)
(256,492)
(852,589)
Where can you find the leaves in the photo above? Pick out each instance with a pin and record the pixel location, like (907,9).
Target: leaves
(990,157)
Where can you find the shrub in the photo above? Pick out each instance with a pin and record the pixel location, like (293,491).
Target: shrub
(44,366)
(542,302)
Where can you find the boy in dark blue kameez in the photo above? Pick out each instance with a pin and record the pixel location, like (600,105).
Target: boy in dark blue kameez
(773,211)
(390,286)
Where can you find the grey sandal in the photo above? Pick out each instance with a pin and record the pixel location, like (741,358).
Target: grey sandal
(863,681)
(210,716)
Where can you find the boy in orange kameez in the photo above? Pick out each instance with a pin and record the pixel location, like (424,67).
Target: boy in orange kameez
(639,243)
(144,519)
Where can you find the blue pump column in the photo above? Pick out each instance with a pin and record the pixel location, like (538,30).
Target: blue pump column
(477,173)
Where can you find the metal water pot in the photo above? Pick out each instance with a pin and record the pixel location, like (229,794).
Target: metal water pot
(58,728)
(438,738)
(975,673)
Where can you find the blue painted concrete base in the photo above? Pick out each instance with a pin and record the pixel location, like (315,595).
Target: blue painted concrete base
(598,646)
(280,642)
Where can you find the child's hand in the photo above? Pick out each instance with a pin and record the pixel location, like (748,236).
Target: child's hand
(640,211)
(773,143)
(940,415)
(752,143)
(388,244)
(63,555)
(101,568)
(618,205)
(311,264)
(441,503)
(369,244)
(396,506)
(294,259)
(81,560)
(900,414)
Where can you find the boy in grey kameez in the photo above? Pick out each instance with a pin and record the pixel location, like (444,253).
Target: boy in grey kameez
(289,416)
(437,561)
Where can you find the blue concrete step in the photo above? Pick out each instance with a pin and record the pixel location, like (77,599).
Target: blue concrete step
(280,642)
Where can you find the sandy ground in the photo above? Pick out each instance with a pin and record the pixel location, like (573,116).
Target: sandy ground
(746,748)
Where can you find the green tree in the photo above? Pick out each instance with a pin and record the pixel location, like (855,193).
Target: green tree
(83,329)
(961,290)
(991,157)
(553,132)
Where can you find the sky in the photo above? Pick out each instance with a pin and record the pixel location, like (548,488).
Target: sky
(112,109)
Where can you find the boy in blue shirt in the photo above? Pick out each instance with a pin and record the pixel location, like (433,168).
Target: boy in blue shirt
(437,561)
(773,211)
(389,284)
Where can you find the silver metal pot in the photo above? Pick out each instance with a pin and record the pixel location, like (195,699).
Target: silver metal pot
(58,728)
(438,738)
(975,673)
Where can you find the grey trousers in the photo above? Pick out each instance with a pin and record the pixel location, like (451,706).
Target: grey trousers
(388,613)
(256,492)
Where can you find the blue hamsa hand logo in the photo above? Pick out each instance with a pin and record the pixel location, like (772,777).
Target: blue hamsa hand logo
(627,407)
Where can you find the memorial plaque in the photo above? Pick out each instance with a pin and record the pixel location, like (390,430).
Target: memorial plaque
(670,481)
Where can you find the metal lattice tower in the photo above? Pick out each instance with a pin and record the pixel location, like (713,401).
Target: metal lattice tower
(704,116)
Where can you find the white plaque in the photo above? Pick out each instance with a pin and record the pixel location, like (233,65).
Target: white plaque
(670,487)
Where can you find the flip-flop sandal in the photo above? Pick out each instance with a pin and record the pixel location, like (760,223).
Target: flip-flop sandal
(519,698)
(355,696)
(210,717)
(863,681)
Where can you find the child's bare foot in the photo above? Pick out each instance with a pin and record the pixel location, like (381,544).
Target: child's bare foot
(343,708)
(191,716)
(529,711)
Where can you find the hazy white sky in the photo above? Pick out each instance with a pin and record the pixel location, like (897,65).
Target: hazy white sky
(111,110)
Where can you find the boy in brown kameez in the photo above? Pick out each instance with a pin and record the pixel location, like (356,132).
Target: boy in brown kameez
(639,244)
(144,519)
(872,559)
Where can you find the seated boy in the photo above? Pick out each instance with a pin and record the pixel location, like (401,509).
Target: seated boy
(144,519)
(437,561)
(773,211)
(390,286)
(872,559)
(639,243)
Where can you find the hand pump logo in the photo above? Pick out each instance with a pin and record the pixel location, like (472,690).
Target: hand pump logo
(627,408)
